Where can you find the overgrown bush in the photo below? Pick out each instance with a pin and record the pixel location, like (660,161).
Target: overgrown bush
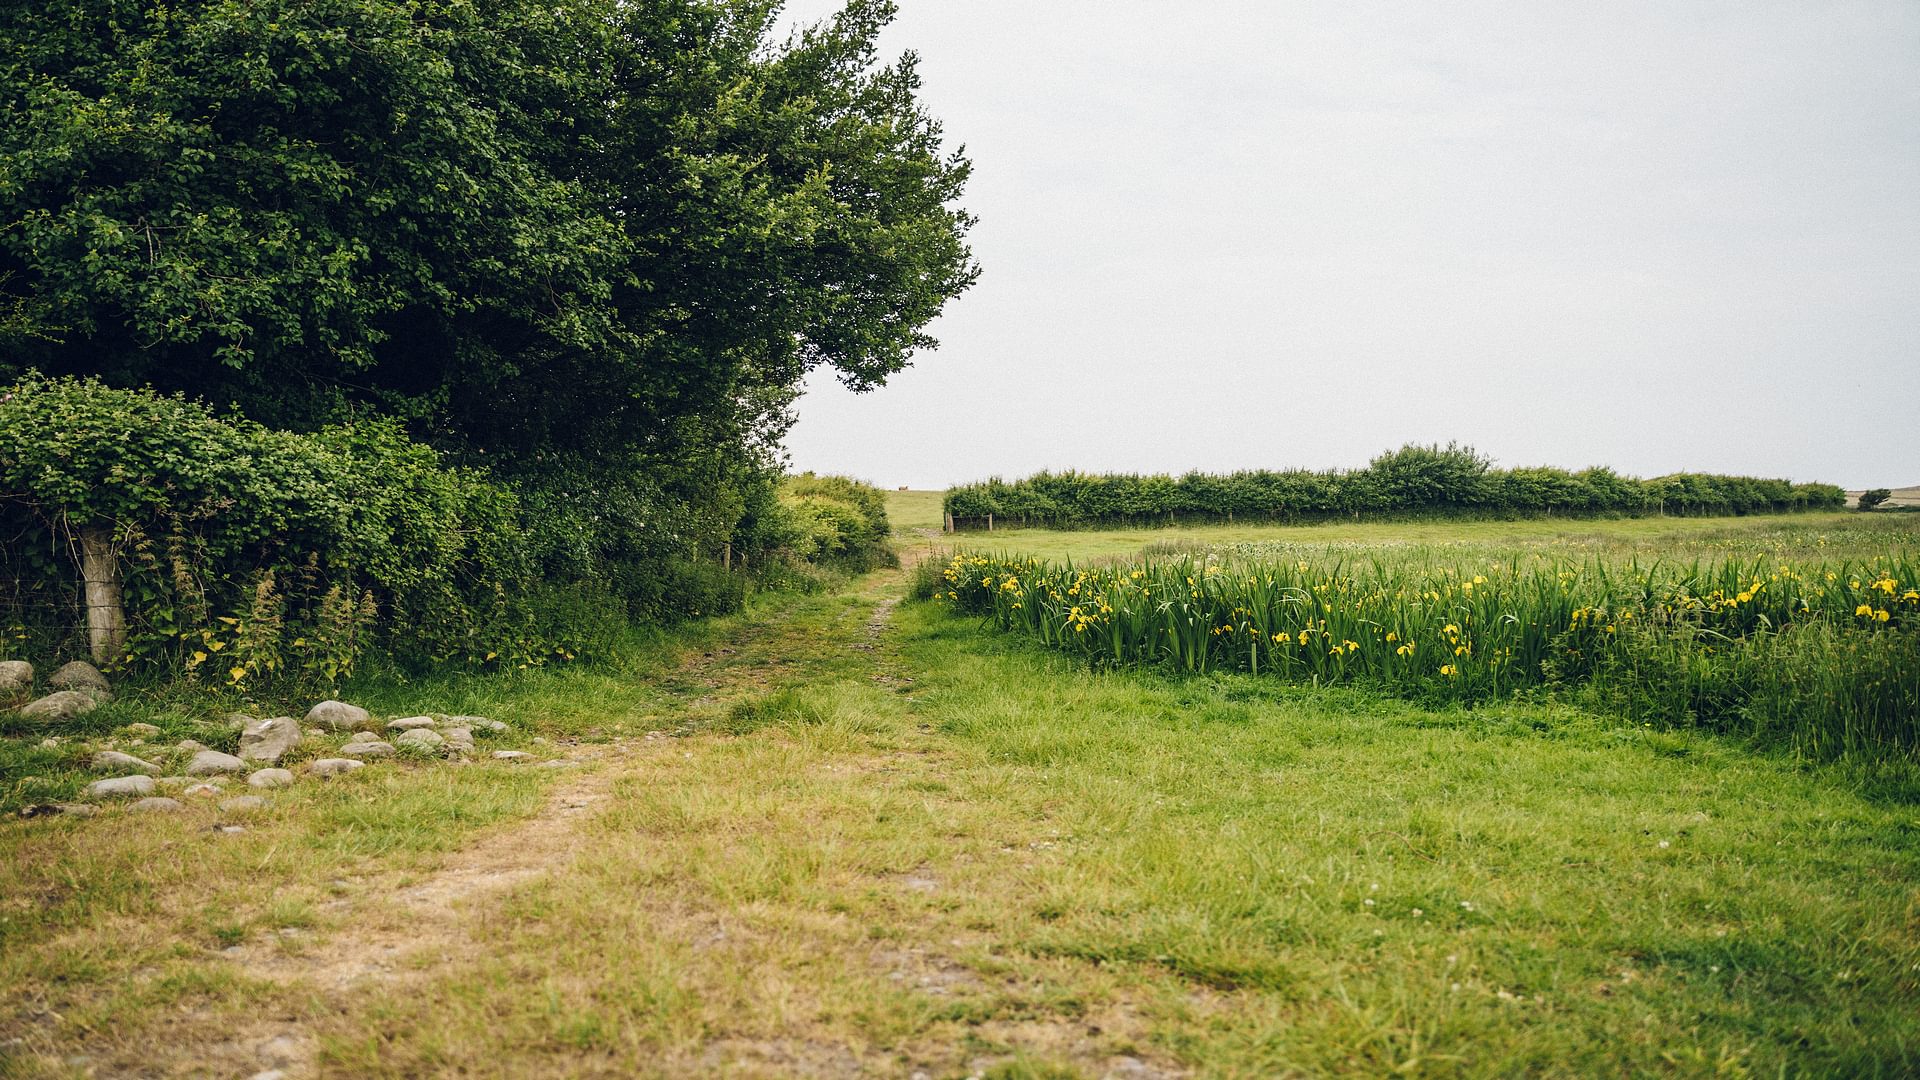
(827,521)
(251,554)
(1412,481)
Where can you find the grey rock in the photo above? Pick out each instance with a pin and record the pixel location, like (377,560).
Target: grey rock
(479,724)
(424,738)
(269,740)
(158,804)
(16,678)
(173,781)
(120,787)
(558,763)
(411,723)
(369,748)
(78,675)
(203,791)
(334,766)
(243,804)
(270,778)
(115,761)
(236,722)
(190,746)
(62,705)
(77,809)
(337,716)
(515,756)
(143,731)
(214,763)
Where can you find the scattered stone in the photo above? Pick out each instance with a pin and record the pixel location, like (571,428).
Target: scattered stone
(204,791)
(334,766)
(190,746)
(115,761)
(558,763)
(268,740)
(61,705)
(78,675)
(236,722)
(459,738)
(229,828)
(143,731)
(214,763)
(270,778)
(512,755)
(337,716)
(120,786)
(16,678)
(411,723)
(158,804)
(478,723)
(173,781)
(368,747)
(243,804)
(425,738)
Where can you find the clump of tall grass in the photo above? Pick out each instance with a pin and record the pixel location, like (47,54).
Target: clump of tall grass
(1819,654)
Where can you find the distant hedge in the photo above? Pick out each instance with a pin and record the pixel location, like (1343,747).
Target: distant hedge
(1412,481)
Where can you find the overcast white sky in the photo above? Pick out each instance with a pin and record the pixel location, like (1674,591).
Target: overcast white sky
(1225,235)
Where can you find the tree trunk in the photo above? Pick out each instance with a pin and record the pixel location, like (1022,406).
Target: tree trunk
(100,571)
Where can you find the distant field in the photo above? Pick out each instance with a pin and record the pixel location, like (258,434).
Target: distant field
(1906,496)
(1630,532)
(910,510)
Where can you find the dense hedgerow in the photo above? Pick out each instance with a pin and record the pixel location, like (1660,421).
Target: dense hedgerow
(252,553)
(249,554)
(1414,480)
(1822,655)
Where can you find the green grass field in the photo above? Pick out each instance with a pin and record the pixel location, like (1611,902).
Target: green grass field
(846,835)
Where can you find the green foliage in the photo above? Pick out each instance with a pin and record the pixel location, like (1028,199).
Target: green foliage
(589,246)
(1412,481)
(556,238)
(259,554)
(1825,655)
(827,521)
(1871,499)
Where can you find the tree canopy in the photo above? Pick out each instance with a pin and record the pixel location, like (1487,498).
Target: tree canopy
(569,231)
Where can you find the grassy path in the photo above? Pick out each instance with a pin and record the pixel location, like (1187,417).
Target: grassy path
(864,839)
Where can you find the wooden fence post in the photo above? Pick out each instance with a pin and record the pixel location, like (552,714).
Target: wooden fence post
(989,522)
(100,573)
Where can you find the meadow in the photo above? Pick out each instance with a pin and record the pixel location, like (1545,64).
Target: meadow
(849,833)
(1802,632)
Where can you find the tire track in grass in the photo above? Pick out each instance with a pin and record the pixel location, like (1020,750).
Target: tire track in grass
(402,943)
(400,930)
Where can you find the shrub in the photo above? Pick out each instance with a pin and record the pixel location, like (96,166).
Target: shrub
(827,521)
(1871,499)
(254,553)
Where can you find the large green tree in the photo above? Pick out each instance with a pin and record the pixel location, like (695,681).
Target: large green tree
(573,234)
